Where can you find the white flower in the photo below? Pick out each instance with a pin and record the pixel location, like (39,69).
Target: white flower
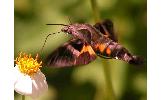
(29,79)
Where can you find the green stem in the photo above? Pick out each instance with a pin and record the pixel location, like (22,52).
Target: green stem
(95,10)
(106,67)
(109,87)
(23,97)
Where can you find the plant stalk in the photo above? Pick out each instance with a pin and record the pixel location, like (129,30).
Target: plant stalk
(109,87)
(106,67)
(23,97)
(95,10)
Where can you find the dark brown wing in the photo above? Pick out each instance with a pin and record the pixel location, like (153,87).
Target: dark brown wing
(75,52)
(106,28)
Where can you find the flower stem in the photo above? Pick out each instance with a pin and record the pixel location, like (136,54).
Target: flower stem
(109,87)
(23,97)
(95,10)
(106,67)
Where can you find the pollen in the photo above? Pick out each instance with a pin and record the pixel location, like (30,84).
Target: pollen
(27,64)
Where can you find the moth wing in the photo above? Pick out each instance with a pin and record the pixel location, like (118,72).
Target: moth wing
(106,27)
(72,53)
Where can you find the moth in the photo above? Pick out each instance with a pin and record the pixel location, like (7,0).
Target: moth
(87,43)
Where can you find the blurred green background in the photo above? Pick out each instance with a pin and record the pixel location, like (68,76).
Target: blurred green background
(87,82)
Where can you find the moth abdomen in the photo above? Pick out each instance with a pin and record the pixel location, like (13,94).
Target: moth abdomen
(110,49)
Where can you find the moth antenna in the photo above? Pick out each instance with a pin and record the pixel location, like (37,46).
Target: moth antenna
(46,40)
(58,24)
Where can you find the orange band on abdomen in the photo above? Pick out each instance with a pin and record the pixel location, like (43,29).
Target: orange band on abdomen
(108,51)
(102,47)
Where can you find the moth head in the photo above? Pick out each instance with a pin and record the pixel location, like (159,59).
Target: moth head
(79,31)
(67,29)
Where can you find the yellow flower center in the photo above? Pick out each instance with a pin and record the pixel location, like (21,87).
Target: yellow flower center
(27,64)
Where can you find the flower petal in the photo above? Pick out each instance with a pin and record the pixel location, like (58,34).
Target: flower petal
(26,85)
(23,83)
(39,84)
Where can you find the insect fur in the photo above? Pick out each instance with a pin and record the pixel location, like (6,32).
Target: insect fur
(87,43)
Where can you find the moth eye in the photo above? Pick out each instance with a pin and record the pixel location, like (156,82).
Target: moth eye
(65,29)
